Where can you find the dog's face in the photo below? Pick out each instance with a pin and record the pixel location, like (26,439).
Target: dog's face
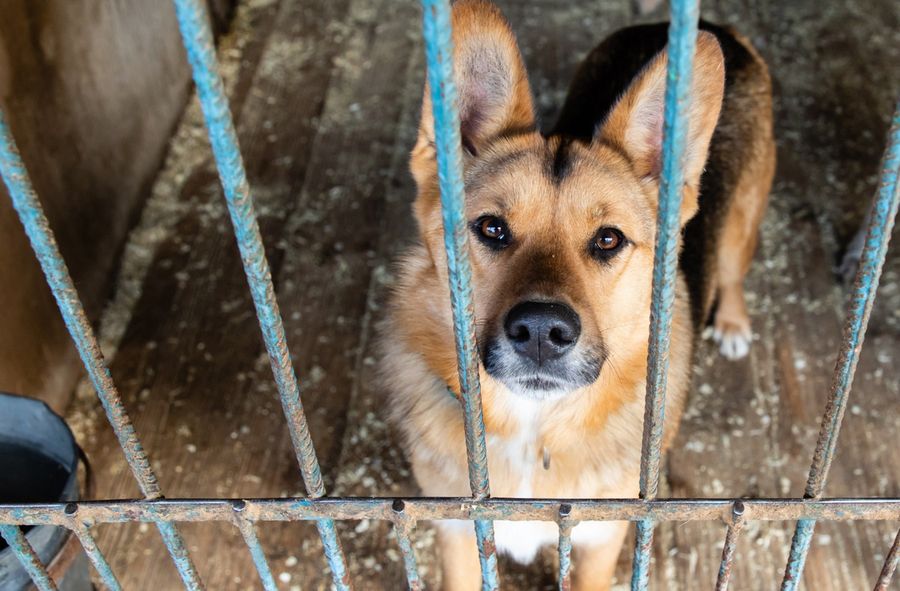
(561,232)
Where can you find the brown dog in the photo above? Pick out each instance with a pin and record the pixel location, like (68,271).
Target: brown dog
(562,229)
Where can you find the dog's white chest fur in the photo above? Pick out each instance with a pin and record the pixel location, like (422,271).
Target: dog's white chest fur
(522,540)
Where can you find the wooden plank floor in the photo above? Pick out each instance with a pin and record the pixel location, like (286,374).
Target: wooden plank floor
(326,96)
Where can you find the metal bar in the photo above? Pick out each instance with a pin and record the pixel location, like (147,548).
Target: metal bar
(31,214)
(101,565)
(728,551)
(437,30)
(403,527)
(859,307)
(439,55)
(565,547)
(247,527)
(890,565)
(194,24)
(465,508)
(28,558)
(682,40)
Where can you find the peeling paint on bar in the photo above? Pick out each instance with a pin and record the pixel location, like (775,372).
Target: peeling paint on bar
(29,560)
(98,560)
(427,508)
(439,56)
(565,547)
(403,527)
(194,24)
(890,565)
(859,307)
(682,40)
(31,214)
(728,550)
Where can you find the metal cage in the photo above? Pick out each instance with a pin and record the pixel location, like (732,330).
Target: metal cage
(246,514)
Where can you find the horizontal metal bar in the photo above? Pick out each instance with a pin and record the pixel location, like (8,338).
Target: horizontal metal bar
(29,560)
(859,307)
(198,41)
(890,565)
(98,560)
(294,509)
(31,214)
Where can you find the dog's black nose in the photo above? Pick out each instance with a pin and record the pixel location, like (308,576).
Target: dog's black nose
(542,331)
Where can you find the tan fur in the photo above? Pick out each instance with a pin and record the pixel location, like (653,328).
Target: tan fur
(593,434)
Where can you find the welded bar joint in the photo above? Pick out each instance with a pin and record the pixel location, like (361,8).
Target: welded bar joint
(247,526)
(728,550)
(564,548)
(403,527)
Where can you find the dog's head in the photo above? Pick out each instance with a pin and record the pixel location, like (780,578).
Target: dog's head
(562,231)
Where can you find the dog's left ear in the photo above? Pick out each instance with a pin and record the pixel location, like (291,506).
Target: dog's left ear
(492,86)
(635,124)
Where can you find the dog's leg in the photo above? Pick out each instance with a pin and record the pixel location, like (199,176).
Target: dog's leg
(460,566)
(595,564)
(731,325)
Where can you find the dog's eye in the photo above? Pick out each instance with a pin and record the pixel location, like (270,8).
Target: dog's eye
(492,231)
(607,242)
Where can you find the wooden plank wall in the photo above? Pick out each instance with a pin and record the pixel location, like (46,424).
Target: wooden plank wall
(92,91)
(326,95)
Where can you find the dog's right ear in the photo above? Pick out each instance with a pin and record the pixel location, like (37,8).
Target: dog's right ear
(491,83)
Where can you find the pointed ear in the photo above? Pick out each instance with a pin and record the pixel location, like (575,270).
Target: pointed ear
(492,86)
(635,123)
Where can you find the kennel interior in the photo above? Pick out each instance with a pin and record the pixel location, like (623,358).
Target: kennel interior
(325,98)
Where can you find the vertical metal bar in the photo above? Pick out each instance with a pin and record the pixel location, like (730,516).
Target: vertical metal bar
(101,565)
(890,565)
(31,214)
(248,531)
(728,551)
(403,527)
(682,40)
(27,557)
(565,547)
(859,307)
(194,24)
(437,25)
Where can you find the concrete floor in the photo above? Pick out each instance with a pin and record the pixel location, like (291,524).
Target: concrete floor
(326,97)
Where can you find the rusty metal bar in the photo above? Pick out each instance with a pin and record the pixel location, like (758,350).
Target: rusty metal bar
(28,558)
(98,560)
(565,547)
(728,551)
(31,214)
(247,527)
(890,565)
(682,40)
(466,508)
(437,31)
(859,307)
(403,527)
(198,42)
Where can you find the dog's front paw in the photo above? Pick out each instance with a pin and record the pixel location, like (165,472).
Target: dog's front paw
(733,338)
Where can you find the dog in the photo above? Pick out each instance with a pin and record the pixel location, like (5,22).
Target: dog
(562,230)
